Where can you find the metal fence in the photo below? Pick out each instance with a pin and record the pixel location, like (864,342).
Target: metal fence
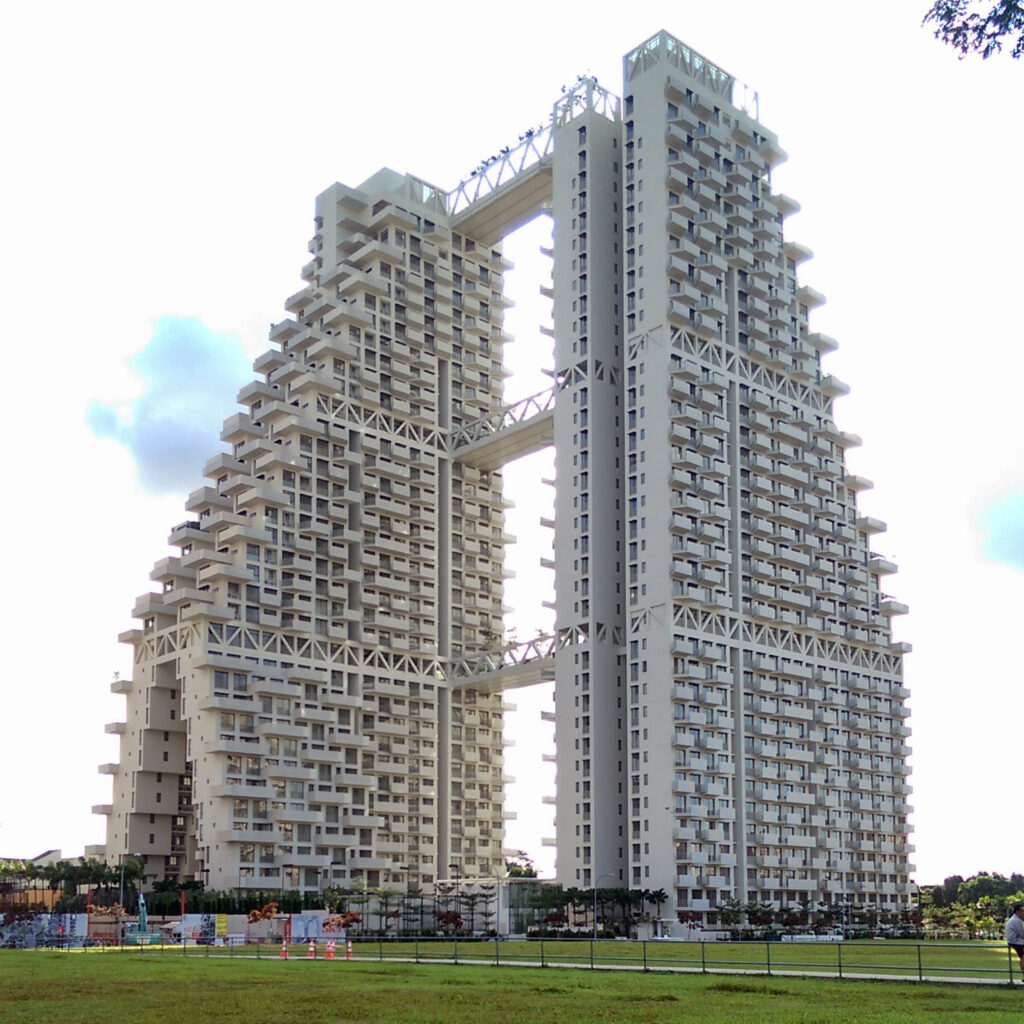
(967,962)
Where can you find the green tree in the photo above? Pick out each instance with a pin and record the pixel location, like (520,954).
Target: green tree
(967,30)
(729,912)
(520,866)
(657,897)
(412,910)
(762,913)
(470,900)
(360,896)
(984,884)
(489,894)
(578,901)
(387,907)
(945,895)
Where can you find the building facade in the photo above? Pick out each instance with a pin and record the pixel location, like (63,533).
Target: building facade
(317,686)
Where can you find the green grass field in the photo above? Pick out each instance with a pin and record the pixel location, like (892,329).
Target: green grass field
(97,988)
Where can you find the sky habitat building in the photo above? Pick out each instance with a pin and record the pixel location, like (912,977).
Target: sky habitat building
(317,685)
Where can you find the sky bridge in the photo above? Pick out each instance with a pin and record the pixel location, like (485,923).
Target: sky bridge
(508,668)
(511,187)
(516,430)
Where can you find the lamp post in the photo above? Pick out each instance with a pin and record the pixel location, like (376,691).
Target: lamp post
(120,894)
(408,892)
(607,874)
(333,870)
(284,875)
(498,876)
(454,868)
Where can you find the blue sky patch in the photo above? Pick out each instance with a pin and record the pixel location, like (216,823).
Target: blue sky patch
(190,377)
(1002,531)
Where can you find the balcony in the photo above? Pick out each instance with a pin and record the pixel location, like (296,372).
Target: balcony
(809,297)
(893,608)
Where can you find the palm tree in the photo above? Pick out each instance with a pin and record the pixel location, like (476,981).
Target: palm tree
(134,875)
(759,913)
(75,876)
(576,900)
(657,897)
(824,913)
(335,898)
(14,878)
(729,912)
(805,909)
(626,901)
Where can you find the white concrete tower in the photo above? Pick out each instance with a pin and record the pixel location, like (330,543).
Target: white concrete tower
(589,596)
(317,687)
(767,754)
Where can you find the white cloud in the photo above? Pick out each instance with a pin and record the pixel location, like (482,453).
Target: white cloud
(190,376)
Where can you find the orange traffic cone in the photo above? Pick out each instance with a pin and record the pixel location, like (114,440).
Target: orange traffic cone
(311,952)
(284,950)
(348,950)
(329,955)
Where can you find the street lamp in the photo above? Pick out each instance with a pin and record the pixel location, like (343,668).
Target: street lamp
(406,915)
(454,868)
(335,865)
(498,876)
(120,895)
(607,874)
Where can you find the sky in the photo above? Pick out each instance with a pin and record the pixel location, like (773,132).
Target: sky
(156,201)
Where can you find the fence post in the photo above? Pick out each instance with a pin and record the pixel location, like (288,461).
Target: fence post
(920,969)
(497,950)
(703,960)
(768,956)
(456,948)
(416,948)
(839,950)
(1009,962)
(542,952)
(380,949)
(645,954)
(591,953)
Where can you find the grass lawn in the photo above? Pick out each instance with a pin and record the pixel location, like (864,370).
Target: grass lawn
(97,988)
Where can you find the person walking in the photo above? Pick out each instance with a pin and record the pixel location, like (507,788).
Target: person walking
(1015,931)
